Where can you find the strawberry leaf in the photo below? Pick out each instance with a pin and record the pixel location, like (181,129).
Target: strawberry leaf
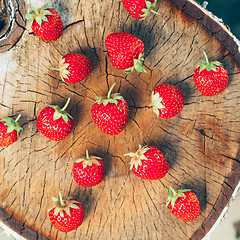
(62,214)
(55,199)
(12,124)
(46,12)
(202,67)
(44,18)
(56,211)
(65,118)
(39,21)
(148,4)
(213,67)
(28,16)
(67,211)
(208,66)
(149,8)
(73,206)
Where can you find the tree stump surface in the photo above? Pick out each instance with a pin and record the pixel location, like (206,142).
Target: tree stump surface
(201,144)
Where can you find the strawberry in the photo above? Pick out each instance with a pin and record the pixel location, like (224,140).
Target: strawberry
(125,51)
(45,23)
(167,100)
(140,8)
(148,163)
(9,131)
(210,78)
(74,67)
(110,114)
(183,204)
(88,171)
(66,215)
(55,123)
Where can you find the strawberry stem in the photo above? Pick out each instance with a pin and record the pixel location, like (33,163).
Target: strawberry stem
(34,9)
(87,154)
(57,69)
(17,118)
(61,200)
(173,191)
(65,106)
(109,92)
(205,55)
(154,12)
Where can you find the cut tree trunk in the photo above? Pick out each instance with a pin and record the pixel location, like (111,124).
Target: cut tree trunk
(201,144)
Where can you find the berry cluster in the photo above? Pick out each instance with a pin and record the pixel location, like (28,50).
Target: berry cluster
(110,114)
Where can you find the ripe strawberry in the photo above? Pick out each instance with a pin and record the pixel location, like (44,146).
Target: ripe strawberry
(55,123)
(183,204)
(125,51)
(74,67)
(210,78)
(9,131)
(139,8)
(45,23)
(148,163)
(110,114)
(88,171)
(66,215)
(167,100)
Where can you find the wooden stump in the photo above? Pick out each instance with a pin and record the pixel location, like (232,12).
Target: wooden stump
(201,144)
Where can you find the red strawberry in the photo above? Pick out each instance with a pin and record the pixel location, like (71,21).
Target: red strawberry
(9,131)
(110,114)
(183,204)
(210,78)
(74,67)
(167,100)
(66,215)
(55,123)
(125,51)
(139,8)
(46,23)
(88,171)
(148,163)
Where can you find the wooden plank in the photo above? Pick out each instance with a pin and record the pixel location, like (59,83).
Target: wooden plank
(201,143)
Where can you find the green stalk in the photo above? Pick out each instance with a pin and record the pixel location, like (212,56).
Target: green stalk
(61,200)
(17,118)
(57,69)
(87,154)
(109,93)
(65,106)
(205,55)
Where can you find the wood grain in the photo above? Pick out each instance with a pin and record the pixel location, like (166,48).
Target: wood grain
(201,143)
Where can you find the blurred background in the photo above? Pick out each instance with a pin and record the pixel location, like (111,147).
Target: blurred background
(228,11)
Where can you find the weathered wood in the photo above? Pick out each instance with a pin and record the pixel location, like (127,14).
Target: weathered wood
(201,143)
(12,23)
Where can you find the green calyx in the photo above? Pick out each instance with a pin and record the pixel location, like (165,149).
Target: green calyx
(150,6)
(156,102)
(60,112)
(12,124)
(39,15)
(174,195)
(61,206)
(208,65)
(137,65)
(137,156)
(62,68)
(111,98)
(89,160)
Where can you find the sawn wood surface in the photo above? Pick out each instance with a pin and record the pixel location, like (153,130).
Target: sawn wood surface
(201,144)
